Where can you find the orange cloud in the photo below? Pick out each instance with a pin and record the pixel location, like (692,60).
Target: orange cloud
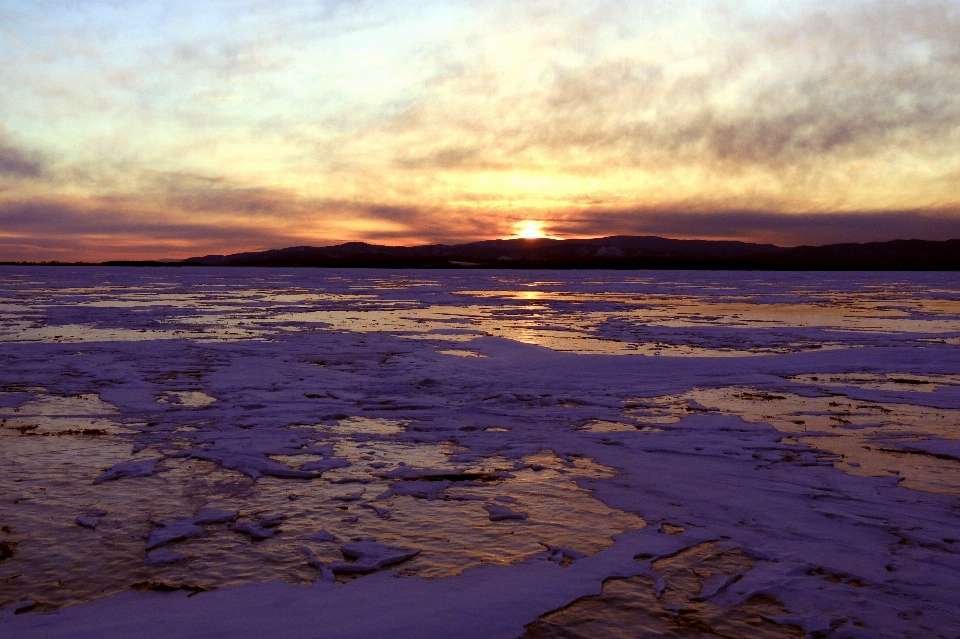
(259,127)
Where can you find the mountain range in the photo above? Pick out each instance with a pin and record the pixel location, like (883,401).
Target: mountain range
(618,252)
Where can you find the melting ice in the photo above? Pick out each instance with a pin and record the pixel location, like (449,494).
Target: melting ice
(670,451)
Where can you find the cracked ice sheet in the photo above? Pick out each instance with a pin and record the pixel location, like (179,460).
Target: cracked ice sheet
(497,600)
(838,550)
(60,476)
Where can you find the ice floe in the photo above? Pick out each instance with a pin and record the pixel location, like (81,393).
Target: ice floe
(133,468)
(791,442)
(319,536)
(171,531)
(503,513)
(368,555)
(260,528)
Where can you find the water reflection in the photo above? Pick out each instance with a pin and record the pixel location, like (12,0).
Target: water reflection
(612,313)
(629,608)
(918,444)
(75,540)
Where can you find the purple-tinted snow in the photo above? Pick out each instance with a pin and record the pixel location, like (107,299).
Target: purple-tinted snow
(808,420)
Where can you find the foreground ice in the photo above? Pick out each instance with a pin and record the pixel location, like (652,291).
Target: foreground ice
(683,450)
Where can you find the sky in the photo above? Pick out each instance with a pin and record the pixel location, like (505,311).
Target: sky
(141,130)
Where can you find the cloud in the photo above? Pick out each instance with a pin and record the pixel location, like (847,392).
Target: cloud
(766,226)
(148,228)
(18,163)
(264,126)
(839,82)
(182,215)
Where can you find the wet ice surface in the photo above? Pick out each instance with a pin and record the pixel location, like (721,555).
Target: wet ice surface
(191,429)
(919,445)
(630,607)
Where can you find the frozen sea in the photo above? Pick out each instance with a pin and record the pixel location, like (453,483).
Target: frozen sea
(190,452)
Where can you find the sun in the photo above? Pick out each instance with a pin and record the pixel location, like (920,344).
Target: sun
(529,230)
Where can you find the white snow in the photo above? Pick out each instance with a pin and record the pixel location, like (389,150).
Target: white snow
(133,468)
(502,513)
(807,420)
(321,535)
(171,531)
(368,556)
(256,530)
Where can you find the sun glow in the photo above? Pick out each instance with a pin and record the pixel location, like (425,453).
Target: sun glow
(529,230)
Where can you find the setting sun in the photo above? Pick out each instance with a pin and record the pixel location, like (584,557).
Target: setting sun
(529,230)
(525,318)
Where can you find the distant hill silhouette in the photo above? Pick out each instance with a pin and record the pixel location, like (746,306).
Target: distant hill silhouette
(618,252)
